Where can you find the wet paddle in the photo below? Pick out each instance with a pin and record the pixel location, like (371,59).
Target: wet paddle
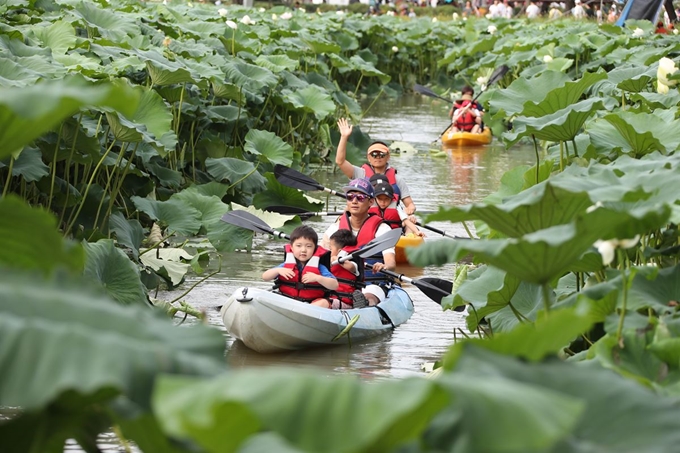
(428,92)
(311,184)
(300,212)
(377,245)
(295,179)
(434,288)
(495,77)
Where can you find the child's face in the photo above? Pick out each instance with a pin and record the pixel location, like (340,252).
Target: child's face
(303,249)
(335,248)
(383,201)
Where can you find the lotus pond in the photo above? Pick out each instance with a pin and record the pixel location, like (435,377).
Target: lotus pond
(127,130)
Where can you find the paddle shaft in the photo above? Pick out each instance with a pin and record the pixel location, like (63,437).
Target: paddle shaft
(434,288)
(427,92)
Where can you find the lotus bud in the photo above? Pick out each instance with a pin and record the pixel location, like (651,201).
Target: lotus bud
(231,24)
(434,19)
(666,67)
(594,207)
(340,13)
(247,20)
(491,29)
(275,17)
(395,49)
(190,5)
(287,15)
(261,10)
(167,41)
(676,31)
(547,58)
(454,16)
(222,12)
(606,249)
(638,33)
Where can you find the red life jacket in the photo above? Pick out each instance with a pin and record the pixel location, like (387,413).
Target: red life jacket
(465,121)
(293,287)
(366,234)
(390,174)
(389,215)
(347,281)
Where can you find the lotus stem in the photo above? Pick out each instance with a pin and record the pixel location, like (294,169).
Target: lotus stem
(546,297)
(106,188)
(573,142)
(179,108)
(54,167)
(538,158)
(467,230)
(561,155)
(233,43)
(244,177)
(361,77)
(9,177)
(520,317)
(624,302)
(119,182)
(372,103)
(219,269)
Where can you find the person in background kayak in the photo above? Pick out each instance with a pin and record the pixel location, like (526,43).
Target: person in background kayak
(302,276)
(378,155)
(386,208)
(365,227)
(466,114)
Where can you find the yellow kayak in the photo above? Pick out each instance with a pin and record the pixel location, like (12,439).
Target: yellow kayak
(454,139)
(404,242)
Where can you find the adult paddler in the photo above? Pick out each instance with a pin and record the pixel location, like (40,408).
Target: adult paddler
(366,227)
(378,155)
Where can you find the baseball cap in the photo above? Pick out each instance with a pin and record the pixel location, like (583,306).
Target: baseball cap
(360,185)
(381,185)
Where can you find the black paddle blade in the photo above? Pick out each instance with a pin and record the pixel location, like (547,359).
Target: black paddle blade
(434,288)
(428,92)
(379,244)
(295,179)
(248,221)
(497,74)
(290,210)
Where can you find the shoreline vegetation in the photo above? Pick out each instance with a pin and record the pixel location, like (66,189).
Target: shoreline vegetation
(127,129)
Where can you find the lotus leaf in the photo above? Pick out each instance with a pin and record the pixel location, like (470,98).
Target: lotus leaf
(109,24)
(562,97)
(512,99)
(178,216)
(129,233)
(311,99)
(645,132)
(163,71)
(167,262)
(240,174)
(277,63)
(269,146)
(279,195)
(249,76)
(367,69)
(29,165)
(60,36)
(210,207)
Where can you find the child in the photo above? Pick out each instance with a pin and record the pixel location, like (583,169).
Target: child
(465,114)
(302,265)
(388,210)
(343,243)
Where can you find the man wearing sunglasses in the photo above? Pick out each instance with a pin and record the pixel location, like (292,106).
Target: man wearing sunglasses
(365,226)
(378,155)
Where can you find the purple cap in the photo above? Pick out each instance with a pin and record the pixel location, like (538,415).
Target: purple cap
(360,185)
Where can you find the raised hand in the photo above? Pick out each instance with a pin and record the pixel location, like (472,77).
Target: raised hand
(344,127)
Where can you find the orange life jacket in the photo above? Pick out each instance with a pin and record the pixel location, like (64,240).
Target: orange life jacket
(293,287)
(466,121)
(390,174)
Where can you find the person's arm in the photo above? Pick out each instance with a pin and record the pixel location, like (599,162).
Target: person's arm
(274,272)
(341,153)
(409,206)
(409,227)
(327,280)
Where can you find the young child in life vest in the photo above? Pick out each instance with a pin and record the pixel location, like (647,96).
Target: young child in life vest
(302,276)
(386,208)
(342,243)
(465,114)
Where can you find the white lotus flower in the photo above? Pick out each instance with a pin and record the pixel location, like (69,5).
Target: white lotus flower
(247,20)
(676,31)
(395,49)
(547,58)
(231,24)
(222,12)
(434,19)
(340,13)
(591,208)
(261,10)
(454,16)
(638,33)
(218,3)
(275,17)
(190,5)
(465,18)
(607,248)
(287,15)
(389,13)
(666,67)
(481,81)
(491,29)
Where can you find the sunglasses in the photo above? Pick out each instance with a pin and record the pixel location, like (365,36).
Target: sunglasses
(360,197)
(377,154)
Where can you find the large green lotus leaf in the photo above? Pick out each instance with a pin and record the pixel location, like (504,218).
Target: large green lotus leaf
(112,269)
(525,306)
(29,165)
(249,75)
(494,413)
(277,194)
(110,24)
(220,414)
(657,100)
(84,343)
(539,207)
(562,97)
(338,61)
(602,393)
(512,99)
(202,71)
(631,77)
(269,146)
(178,216)
(14,74)
(225,113)
(59,36)
(646,132)
(321,81)
(129,232)
(227,238)
(77,62)
(201,28)
(167,262)
(229,91)
(319,45)
(605,138)
(211,207)
(487,289)
(367,69)
(562,125)
(211,188)
(166,176)
(277,63)
(350,105)
(163,71)
(311,99)
(631,357)
(239,173)
(29,239)
(27,113)
(544,255)
(151,121)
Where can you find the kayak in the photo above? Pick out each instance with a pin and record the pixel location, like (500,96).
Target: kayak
(403,244)
(453,139)
(266,321)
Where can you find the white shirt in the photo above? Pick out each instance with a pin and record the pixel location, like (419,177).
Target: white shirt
(533,11)
(382,229)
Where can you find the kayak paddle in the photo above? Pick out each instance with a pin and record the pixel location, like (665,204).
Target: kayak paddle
(300,212)
(295,179)
(428,92)
(377,245)
(251,222)
(434,288)
(495,77)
